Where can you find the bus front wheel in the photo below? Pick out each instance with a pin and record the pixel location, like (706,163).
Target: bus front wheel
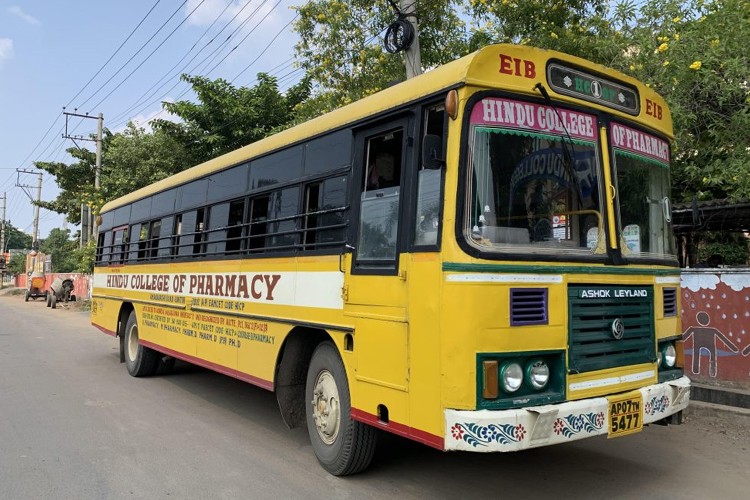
(140,360)
(342,446)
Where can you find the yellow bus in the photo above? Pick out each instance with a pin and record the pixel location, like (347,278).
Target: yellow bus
(480,258)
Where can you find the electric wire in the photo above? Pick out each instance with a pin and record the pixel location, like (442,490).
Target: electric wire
(149,56)
(143,46)
(153,90)
(114,54)
(210,58)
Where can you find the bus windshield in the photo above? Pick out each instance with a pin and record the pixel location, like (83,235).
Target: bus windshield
(533,180)
(641,161)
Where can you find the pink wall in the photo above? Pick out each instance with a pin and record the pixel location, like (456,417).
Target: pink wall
(80,282)
(716,325)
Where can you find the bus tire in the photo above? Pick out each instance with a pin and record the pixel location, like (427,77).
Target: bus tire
(52,299)
(140,360)
(26,296)
(48,304)
(342,446)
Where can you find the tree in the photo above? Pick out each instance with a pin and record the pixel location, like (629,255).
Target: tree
(15,238)
(341,47)
(17,264)
(131,159)
(227,117)
(694,53)
(62,249)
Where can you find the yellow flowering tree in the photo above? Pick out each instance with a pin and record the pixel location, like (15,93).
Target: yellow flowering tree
(695,54)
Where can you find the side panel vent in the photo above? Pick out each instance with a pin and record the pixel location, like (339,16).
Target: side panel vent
(670,302)
(528,306)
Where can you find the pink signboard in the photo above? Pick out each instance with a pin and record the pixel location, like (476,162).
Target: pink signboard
(635,141)
(536,117)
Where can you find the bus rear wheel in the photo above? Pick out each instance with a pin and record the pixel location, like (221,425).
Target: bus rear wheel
(342,446)
(140,360)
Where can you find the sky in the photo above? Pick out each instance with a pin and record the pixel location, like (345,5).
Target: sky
(121,59)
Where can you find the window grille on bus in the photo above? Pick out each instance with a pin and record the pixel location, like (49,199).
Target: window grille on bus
(592,341)
(670,302)
(528,306)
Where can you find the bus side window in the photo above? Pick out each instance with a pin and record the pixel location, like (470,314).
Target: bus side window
(429,180)
(258,223)
(380,198)
(153,238)
(164,242)
(120,246)
(199,247)
(186,233)
(143,236)
(236,228)
(217,229)
(105,250)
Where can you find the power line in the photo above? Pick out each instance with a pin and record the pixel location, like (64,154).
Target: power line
(151,92)
(149,56)
(210,57)
(114,54)
(246,36)
(136,53)
(40,140)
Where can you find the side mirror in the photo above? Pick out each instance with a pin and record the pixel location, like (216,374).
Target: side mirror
(432,152)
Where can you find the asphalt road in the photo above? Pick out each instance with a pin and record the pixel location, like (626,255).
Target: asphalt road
(75,425)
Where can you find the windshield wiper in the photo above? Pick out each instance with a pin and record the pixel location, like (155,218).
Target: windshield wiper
(568,162)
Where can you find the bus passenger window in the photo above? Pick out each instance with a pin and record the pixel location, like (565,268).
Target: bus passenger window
(258,223)
(200,222)
(379,208)
(153,242)
(235,225)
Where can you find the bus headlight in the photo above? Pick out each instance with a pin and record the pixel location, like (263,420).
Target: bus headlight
(537,373)
(668,355)
(511,376)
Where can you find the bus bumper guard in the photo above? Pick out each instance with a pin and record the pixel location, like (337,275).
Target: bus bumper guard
(519,429)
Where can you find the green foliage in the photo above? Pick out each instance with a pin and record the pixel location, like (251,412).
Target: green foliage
(732,247)
(227,117)
(17,264)
(15,238)
(341,47)
(84,257)
(75,180)
(62,249)
(694,53)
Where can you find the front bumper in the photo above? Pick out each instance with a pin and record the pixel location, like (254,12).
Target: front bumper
(513,430)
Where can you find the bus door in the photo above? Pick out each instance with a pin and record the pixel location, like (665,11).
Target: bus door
(375,293)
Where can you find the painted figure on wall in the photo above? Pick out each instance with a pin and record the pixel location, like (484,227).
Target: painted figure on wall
(704,340)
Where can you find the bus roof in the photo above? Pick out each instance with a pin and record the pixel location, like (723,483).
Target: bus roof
(480,68)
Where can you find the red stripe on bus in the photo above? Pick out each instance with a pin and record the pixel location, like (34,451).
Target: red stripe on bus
(108,332)
(265,384)
(399,429)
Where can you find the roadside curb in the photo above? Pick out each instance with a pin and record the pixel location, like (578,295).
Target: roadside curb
(702,409)
(723,396)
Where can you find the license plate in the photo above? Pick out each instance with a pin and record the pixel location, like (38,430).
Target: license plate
(625,414)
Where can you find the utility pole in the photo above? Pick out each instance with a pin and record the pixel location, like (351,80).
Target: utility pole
(87,219)
(413,54)
(2,246)
(35,236)
(2,229)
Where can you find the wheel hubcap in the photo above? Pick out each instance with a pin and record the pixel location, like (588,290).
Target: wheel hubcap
(325,407)
(133,343)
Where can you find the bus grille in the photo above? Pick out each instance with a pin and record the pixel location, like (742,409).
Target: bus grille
(592,312)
